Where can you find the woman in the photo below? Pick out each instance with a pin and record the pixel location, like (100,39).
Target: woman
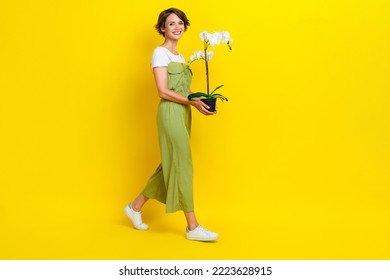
(172,182)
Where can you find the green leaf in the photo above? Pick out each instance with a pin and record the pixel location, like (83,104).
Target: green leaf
(218,87)
(197,95)
(220,96)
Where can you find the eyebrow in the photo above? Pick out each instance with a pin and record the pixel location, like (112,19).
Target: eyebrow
(174,22)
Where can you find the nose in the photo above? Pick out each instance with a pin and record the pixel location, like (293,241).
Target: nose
(177,26)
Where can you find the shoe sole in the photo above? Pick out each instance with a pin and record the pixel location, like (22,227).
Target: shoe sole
(202,239)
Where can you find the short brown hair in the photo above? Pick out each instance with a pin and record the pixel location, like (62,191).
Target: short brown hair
(163,17)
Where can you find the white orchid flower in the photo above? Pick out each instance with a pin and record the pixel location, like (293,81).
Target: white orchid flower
(209,55)
(214,39)
(218,34)
(225,37)
(203,35)
(196,56)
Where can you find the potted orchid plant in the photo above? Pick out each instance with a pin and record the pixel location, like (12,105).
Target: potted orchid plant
(210,40)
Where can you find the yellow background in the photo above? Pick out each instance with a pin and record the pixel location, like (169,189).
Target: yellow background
(295,165)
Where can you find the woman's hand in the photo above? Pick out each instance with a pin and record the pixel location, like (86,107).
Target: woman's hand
(202,107)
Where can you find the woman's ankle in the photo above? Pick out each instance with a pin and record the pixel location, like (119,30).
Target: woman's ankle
(134,207)
(192,226)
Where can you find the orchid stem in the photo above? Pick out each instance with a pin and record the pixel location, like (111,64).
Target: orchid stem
(207,67)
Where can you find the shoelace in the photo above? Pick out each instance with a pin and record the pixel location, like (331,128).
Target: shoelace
(138,216)
(204,230)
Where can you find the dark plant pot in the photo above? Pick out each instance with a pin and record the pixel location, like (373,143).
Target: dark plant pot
(211,103)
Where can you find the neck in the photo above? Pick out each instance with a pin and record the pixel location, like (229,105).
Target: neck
(170,45)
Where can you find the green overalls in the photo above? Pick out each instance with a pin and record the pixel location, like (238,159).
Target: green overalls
(172,181)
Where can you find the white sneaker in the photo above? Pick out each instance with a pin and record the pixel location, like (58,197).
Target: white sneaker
(201,234)
(135,218)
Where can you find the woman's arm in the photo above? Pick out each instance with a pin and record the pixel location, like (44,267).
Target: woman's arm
(161,79)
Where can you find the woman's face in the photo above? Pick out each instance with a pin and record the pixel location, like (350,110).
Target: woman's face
(174,27)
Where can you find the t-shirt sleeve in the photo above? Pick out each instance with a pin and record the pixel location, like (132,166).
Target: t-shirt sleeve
(160,58)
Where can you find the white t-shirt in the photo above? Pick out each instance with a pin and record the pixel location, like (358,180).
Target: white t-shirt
(162,56)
